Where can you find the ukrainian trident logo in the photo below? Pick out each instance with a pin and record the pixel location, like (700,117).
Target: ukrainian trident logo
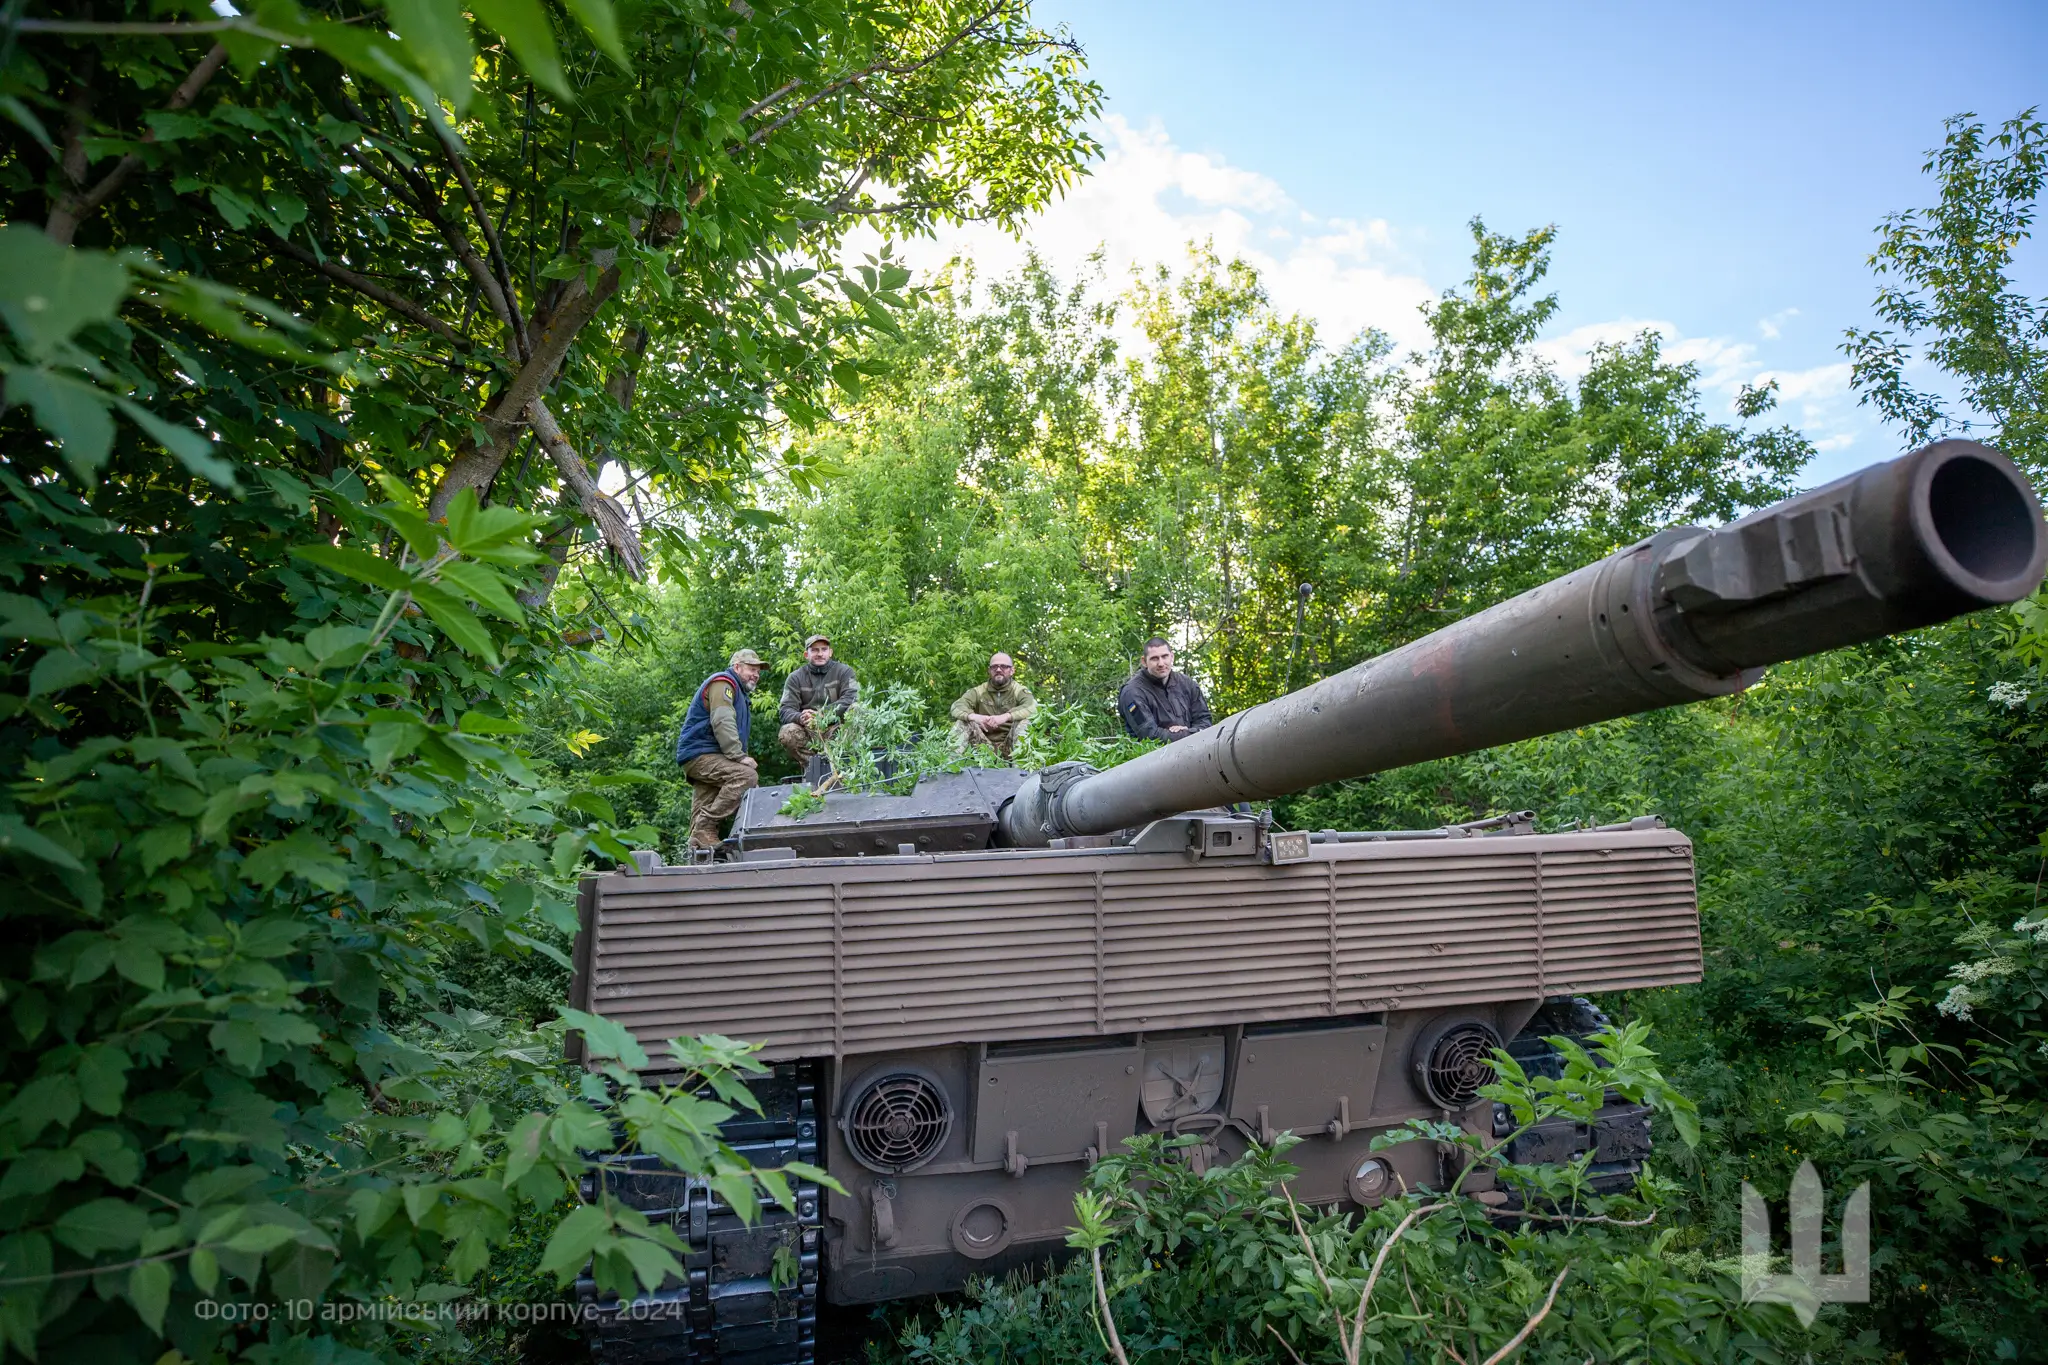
(1805,1289)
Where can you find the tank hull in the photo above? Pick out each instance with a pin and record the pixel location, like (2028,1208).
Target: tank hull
(824,957)
(1058,1001)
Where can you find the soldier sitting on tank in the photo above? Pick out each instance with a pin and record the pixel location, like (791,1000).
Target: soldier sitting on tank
(821,688)
(1158,703)
(713,746)
(994,712)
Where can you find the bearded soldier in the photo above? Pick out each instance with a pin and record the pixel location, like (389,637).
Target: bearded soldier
(994,712)
(713,746)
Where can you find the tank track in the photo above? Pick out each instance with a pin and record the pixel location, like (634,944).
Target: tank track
(1619,1136)
(729,1309)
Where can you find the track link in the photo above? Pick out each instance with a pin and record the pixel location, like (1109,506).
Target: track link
(1619,1136)
(729,1308)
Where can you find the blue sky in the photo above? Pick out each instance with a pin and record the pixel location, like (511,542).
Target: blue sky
(1715,170)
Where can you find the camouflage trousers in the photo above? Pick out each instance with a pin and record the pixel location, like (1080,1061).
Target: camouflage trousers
(966,734)
(800,741)
(717,786)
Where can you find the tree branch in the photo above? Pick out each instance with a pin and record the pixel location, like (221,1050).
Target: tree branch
(1379,1263)
(423,198)
(555,331)
(72,207)
(1518,1338)
(881,68)
(370,289)
(514,321)
(768,102)
(612,522)
(1116,1346)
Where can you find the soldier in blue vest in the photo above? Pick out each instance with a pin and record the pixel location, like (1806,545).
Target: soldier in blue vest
(713,746)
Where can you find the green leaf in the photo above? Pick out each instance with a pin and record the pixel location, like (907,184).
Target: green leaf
(337,646)
(39,1171)
(30,1012)
(27,619)
(456,621)
(102,1225)
(59,669)
(103,1077)
(23,842)
(602,24)
(531,37)
(25,119)
(484,586)
(360,565)
(436,36)
(260,1239)
(483,723)
(239,1041)
(42,1102)
(271,937)
(389,740)
(303,853)
(522,1147)
(109,1155)
(71,410)
(605,1038)
(140,963)
(572,1241)
(205,1267)
(193,450)
(162,844)
(577,1127)
(48,292)
(590,803)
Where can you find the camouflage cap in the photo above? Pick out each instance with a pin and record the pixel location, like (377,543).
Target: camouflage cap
(810,640)
(743,656)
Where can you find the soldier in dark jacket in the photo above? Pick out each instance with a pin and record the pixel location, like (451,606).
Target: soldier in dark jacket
(713,746)
(1158,703)
(821,685)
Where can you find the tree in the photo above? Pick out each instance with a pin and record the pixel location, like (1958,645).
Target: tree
(345,297)
(1946,294)
(605,252)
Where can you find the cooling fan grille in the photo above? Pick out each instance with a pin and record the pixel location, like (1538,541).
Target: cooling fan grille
(1458,1063)
(898,1121)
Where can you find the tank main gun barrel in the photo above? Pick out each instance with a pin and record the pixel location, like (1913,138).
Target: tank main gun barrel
(1685,615)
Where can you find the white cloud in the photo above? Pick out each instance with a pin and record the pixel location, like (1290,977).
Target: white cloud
(1148,198)
(1817,400)
(1769,327)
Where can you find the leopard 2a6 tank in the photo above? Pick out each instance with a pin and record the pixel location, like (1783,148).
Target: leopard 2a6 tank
(970,992)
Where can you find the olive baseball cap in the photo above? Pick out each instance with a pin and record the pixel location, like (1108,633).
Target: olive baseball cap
(810,640)
(743,656)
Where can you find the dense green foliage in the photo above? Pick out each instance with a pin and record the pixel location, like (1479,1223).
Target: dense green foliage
(1227,1262)
(285,295)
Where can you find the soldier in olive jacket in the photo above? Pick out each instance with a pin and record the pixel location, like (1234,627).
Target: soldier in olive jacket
(822,685)
(994,712)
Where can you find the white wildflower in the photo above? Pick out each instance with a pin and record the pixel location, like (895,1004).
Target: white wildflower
(2036,928)
(2038,790)
(1956,1004)
(1984,968)
(2009,695)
